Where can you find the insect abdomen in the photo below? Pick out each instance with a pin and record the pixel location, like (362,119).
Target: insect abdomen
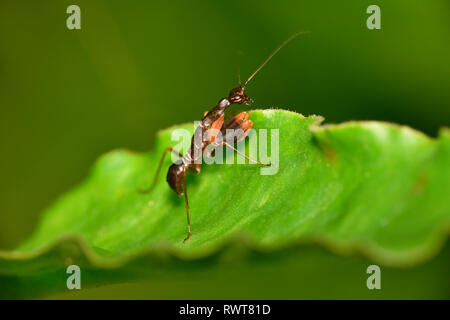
(175,178)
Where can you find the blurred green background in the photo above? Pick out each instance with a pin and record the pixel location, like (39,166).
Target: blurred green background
(136,67)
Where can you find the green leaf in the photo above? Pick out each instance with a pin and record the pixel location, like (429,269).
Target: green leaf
(374,188)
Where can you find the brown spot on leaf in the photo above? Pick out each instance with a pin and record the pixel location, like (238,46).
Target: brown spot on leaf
(328,151)
(420,184)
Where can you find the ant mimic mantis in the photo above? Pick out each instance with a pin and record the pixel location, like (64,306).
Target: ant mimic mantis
(207,134)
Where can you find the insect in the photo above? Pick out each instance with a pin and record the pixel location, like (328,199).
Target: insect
(206,134)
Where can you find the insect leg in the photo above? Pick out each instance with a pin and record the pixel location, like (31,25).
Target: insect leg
(246,125)
(187,210)
(235,122)
(245,156)
(214,129)
(211,135)
(155,179)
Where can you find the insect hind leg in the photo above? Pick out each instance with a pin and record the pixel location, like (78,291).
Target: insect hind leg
(155,178)
(187,211)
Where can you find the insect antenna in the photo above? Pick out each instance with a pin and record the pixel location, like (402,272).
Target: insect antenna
(239,75)
(272,54)
(239,67)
